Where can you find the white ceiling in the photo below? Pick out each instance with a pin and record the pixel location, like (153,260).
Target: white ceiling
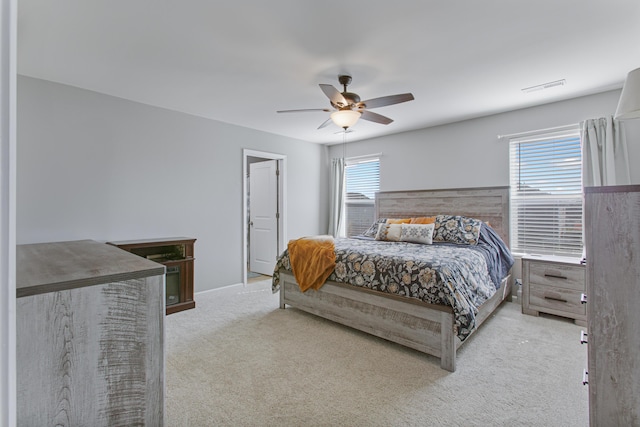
(240,61)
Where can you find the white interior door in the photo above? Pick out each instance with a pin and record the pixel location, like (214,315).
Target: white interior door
(263,219)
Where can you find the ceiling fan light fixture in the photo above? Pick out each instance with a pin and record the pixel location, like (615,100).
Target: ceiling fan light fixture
(345,118)
(350,108)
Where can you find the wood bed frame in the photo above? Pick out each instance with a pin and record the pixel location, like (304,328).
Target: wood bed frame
(428,328)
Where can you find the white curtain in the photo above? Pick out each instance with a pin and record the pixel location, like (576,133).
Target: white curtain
(604,153)
(336,202)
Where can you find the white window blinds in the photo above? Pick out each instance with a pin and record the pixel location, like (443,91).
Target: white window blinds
(362,176)
(546,193)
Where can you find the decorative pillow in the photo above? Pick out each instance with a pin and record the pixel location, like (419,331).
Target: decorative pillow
(398,220)
(373,230)
(417,233)
(457,229)
(423,220)
(389,232)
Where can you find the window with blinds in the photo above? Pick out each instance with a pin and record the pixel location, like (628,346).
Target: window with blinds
(362,176)
(546,193)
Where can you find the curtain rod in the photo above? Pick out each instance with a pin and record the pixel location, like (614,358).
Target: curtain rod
(365,156)
(537,131)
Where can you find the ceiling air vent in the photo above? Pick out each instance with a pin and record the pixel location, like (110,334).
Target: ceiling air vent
(544,86)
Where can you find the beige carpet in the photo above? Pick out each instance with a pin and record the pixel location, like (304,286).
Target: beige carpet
(238,360)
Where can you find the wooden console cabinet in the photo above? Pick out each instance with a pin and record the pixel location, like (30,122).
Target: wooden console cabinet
(176,254)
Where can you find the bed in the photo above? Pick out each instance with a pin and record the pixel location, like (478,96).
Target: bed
(375,306)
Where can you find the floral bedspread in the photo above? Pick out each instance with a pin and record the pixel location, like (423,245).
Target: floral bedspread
(445,274)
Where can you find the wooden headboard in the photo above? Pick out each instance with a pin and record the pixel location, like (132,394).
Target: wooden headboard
(489,204)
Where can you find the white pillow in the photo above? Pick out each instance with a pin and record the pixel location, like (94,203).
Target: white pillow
(417,233)
(389,232)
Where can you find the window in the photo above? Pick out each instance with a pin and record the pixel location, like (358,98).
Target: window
(546,193)
(362,176)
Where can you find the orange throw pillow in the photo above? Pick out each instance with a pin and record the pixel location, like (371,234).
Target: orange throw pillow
(423,220)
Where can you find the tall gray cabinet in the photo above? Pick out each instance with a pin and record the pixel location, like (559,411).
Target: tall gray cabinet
(89,336)
(612,232)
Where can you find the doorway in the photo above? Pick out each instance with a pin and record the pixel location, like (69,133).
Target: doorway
(264,211)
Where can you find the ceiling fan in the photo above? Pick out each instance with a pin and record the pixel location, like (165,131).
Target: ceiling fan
(348,108)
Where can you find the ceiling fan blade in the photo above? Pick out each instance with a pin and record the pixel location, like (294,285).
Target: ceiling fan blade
(333,94)
(375,117)
(388,100)
(304,110)
(325,123)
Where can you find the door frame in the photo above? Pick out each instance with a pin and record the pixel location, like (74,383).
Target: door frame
(282,202)
(8,191)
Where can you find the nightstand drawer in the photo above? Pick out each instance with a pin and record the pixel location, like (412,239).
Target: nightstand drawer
(555,300)
(557,275)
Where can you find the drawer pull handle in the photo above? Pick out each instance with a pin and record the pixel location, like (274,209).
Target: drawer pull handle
(583,298)
(555,299)
(555,276)
(583,337)
(585,377)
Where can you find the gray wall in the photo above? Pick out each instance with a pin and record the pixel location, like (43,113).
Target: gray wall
(92,166)
(469,153)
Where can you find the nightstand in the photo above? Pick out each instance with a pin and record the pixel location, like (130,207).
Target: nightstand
(554,285)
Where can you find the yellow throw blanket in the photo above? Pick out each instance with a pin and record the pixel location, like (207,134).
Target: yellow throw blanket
(312,260)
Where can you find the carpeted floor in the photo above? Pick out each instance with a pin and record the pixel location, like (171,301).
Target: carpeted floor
(238,360)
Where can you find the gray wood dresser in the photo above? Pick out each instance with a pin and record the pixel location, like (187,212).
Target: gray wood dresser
(554,285)
(89,336)
(612,232)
